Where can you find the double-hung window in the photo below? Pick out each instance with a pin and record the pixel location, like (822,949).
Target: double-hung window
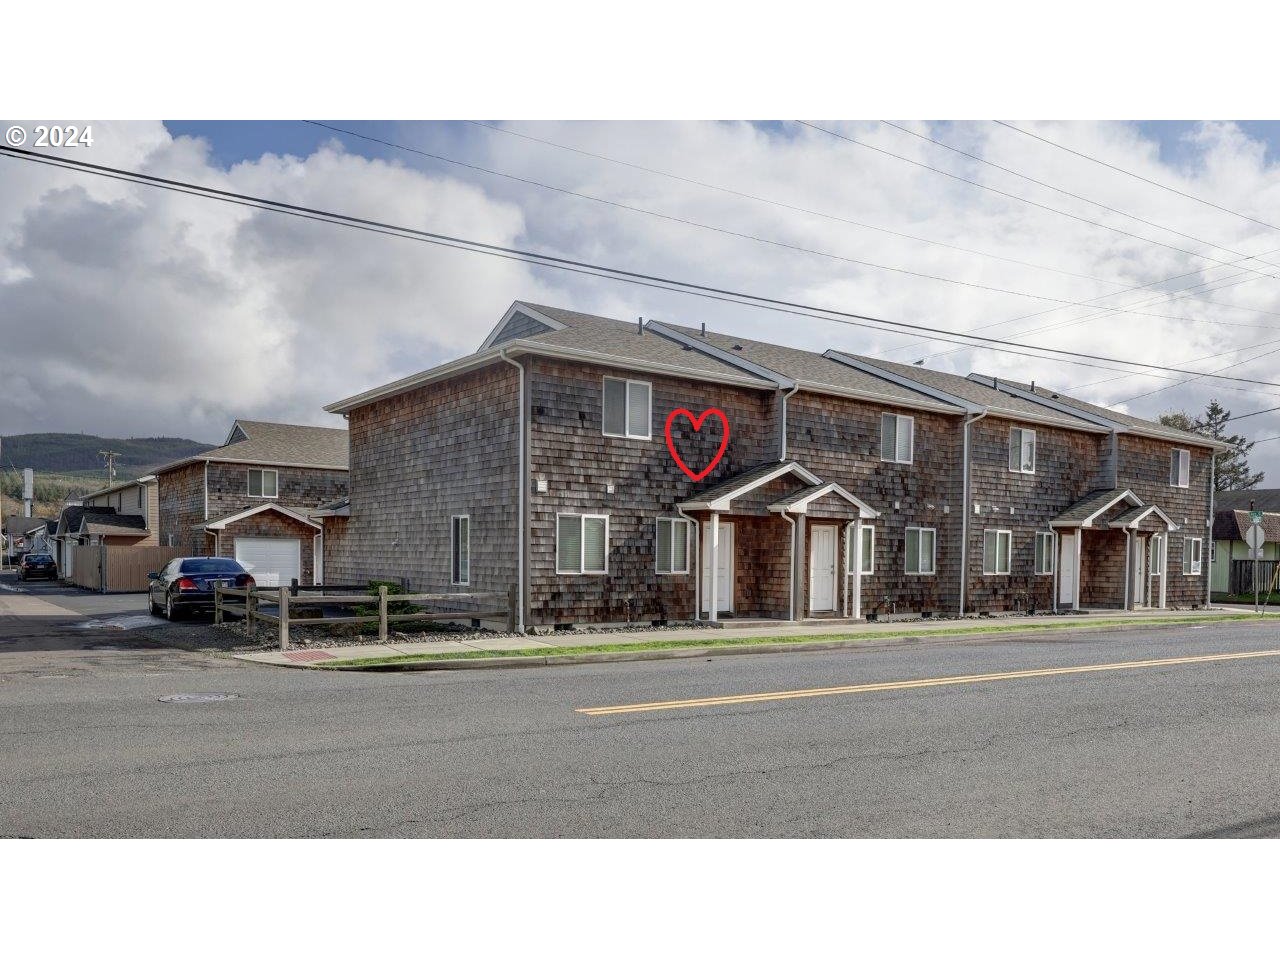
(460,550)
(672,545)
(897,438)
(1157,556)
(1179,468)
(628,408)
(1191,556)
(264,483)
(922,543)
(996,547)
(863,559)
(582,543)
(1044,554)
(1022,450)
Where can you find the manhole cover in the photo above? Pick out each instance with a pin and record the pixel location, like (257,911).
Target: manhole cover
(198,697)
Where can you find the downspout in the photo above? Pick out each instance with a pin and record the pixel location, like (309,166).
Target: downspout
(965,507)
(1128,564)
(1213,483)
(791,579)
(697,564)
(523,481)
(782,446)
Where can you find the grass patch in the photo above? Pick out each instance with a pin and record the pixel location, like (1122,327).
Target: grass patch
(1071,623)
(1272,599)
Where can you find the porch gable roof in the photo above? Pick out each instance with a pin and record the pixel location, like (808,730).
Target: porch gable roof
(1084,512)
(1135,515)
(719,497)
(225,522)
(799,501)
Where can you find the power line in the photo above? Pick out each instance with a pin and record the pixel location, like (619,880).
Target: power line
(587,268)
(1013,196)
(776,203)
(1230,366)
(1138,176)
(1065,193)
(1256,413)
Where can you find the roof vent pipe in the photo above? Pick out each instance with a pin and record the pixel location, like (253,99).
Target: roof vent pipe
(639,326)
(704,329)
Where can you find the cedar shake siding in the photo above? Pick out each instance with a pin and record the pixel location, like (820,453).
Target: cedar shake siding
(181,494)
(269,524)
(419,458)
(568,450)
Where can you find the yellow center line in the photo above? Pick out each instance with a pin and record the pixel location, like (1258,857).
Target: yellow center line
(914,684)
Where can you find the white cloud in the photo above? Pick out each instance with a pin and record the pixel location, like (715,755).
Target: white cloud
(131,310)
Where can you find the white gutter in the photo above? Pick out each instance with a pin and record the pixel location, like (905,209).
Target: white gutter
(965,507)
(523,482)
(697,566)
(782,447)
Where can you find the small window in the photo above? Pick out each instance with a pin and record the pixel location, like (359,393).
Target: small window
(1157,556)
(628,409)
(582,543)
(460,550)
(1191,560)
(264,483)
(1022,450)
(672,545)
(1044,554)
(921,551)
(1180,468)
(996,547)
(897,438)
(867,551)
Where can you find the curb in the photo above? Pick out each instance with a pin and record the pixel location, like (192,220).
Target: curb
(684,653)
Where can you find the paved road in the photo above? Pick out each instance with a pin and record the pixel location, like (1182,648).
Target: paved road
(88,749)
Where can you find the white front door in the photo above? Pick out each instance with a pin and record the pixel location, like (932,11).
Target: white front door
(1067,569)
(724,569)
(822,569)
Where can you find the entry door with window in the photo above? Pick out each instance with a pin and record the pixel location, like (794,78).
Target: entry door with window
(1067,568)
(724,569)
(822,569)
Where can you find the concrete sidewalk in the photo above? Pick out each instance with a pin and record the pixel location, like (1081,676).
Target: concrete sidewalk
(822,632)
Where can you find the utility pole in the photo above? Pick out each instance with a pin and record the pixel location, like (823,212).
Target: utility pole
(110,457)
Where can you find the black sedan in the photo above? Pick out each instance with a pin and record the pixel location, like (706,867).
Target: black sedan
(186,584)
(37,566)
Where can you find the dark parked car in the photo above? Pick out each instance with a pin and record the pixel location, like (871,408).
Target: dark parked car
(36,565)
(186,584)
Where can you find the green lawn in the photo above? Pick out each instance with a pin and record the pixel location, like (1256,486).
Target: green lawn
(1070,623)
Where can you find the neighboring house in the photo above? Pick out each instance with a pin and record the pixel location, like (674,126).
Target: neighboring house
(23,535)
(848,485)
(252,498)
(80,525)
(1232,561)
(40,533)
(139,499)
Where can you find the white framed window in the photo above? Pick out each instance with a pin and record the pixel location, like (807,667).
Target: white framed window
(672,551)
(1044,554)
(1022,450)
(1157,557)
(996,547)
(264,483)
(628,408)
(1179,468)
(864,556)
(922,551)
(1191,556)
(460,549)
(582,543)
(897,438)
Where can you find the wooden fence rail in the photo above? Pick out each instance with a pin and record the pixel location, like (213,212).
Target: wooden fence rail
(288,599)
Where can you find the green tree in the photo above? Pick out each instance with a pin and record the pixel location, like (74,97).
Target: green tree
(1231,469)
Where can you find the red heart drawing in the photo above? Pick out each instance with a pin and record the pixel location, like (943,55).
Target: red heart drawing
(697,425)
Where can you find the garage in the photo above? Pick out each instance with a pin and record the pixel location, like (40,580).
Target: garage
(271,560)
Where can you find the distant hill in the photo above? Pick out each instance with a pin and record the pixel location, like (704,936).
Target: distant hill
(77,453)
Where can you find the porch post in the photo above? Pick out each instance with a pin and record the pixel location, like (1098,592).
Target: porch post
(697,571)
(848,563)
(1128,567)
(1079,570)
(801,609)
(715,567)
(857,569)
(1164,565)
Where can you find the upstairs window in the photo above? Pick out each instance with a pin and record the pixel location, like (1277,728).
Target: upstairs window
(996,547)
(672,545)
(582,543)
(1022,450)
(460,550)
(897,438)
(1044,554)
(264,483)
(628,409)
(1180,468)
(921,551)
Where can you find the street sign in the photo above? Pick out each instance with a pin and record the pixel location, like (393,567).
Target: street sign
(1255,536)
(1255,517)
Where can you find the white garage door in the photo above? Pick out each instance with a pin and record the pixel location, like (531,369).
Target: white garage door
(273,561)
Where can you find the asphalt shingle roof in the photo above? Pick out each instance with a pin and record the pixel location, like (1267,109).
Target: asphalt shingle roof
(1240,499)
(1088,505)
(733,484)
(322,447)
(1232,524)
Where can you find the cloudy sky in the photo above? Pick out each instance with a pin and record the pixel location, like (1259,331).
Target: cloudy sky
(129,311)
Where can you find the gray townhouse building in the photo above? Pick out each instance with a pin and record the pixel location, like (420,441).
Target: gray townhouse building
(847,486)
